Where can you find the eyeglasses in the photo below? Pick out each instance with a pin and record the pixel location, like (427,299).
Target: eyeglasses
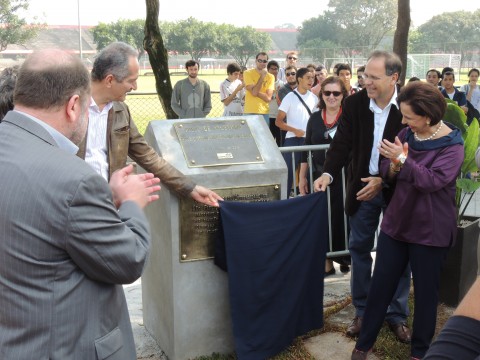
(262,61)
(370,77)
(292,58)
(291,73)
(335,93)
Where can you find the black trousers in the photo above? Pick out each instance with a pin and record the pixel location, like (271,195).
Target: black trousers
(391,259)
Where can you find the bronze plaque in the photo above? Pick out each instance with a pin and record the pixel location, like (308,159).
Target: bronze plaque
(199,223)
(217,142)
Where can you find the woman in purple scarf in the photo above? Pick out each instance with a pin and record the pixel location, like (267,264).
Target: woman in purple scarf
(419,224)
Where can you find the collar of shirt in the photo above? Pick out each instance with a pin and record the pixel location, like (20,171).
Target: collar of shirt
(380,117)
(62,141)
(106,109)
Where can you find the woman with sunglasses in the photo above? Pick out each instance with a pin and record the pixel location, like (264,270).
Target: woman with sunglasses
(321,128)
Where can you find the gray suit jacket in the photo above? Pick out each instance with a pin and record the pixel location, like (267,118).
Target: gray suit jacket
(64,248)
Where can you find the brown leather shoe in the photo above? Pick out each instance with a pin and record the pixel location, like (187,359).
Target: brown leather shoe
(359,355)
(354,328)
(402,332)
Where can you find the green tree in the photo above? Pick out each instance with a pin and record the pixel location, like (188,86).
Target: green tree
(356,26)
(128,31)
(450,32)
(400,40)
(318,38)
(242,43)
(13,28)
(193,37)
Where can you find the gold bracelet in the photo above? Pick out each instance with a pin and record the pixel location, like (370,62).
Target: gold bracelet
(395,167)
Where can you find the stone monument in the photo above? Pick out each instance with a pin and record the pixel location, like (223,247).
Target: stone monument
(185,296)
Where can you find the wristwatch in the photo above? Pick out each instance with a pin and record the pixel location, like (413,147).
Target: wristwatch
(401,159)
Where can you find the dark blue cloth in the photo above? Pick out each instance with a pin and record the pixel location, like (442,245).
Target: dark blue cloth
(275,253)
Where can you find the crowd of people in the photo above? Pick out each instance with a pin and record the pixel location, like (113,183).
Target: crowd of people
(400,158)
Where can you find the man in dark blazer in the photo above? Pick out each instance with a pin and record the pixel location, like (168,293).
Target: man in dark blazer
(450,92)
(68,239)
(368,117)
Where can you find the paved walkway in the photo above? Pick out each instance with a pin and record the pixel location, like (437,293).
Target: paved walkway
(337,289)
(324,346)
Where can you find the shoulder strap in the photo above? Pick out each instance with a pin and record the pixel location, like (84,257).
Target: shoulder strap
(303,102)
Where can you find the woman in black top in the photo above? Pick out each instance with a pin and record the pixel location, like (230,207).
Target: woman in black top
(321,129)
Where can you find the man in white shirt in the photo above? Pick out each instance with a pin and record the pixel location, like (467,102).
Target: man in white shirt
(368,117)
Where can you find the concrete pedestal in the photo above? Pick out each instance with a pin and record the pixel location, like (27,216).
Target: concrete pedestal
(185,304)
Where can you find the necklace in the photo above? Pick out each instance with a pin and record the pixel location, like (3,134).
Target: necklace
(329,126)
(431,136)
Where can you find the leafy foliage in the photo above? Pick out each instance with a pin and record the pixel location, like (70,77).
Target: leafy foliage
(466,186)
(14,29)
(199,39)
(447,32)
(128,31)
(242,43)
(190,36)
(372,20)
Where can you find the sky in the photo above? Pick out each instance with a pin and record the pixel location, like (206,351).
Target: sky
(65,12)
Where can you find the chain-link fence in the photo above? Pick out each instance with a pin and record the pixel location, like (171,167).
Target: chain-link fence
(146,107)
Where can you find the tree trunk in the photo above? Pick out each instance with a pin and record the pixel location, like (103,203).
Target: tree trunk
(158,56)
(400,40)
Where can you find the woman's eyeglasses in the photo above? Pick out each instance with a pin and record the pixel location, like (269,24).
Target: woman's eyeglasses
(291,73)
(335,93)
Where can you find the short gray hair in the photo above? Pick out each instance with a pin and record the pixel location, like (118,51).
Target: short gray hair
(114,60)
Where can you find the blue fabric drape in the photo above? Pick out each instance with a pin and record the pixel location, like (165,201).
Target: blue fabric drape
(275,252)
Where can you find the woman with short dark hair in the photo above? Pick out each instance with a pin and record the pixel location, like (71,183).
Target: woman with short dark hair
(419,224)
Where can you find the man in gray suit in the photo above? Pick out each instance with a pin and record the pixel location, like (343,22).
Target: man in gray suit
(67,239)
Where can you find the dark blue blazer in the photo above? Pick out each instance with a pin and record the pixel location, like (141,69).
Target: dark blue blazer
(459,97)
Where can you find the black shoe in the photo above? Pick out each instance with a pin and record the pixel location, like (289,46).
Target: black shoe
(344,268)
(330,272)
(355,326)
(402,332)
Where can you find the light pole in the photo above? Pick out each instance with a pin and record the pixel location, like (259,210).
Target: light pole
(79,30)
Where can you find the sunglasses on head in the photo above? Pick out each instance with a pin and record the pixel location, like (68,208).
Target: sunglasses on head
(335,93)
(262,61)
(291,73)
(292,58)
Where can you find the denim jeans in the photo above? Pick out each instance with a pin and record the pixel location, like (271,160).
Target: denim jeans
(287,156)
(266,117)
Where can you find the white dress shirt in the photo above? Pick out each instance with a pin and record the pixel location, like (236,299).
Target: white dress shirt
(96,144)
(380,118)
